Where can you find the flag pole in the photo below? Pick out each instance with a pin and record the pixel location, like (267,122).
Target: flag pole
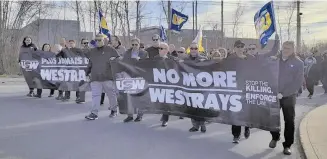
(169,21)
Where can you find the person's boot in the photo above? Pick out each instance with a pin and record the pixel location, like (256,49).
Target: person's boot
(60,97)
(91,116)
(79,101)
(128,119)
(37,95)
(164,123)
(193,129)
(51,95)
(236,140)
(30,94)
(203,128)
(138,118)
(181,117)
(287,151)
(273,144)
(65,99)
(113,114)
(310,96)
(247,133)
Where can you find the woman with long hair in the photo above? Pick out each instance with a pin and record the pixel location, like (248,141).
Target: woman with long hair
(25,50)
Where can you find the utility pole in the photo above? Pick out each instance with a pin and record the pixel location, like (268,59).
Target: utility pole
(298,28)
(222,23)
(193,18)
(137,18)
(169,20)
(196,16)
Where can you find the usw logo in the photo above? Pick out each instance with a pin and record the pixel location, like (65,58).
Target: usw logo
(29,65)
(130,84)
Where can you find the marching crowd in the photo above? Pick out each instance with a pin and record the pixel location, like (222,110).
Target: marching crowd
(292,72)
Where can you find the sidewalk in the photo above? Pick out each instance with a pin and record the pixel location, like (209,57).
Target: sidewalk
(12,80)
(313,133)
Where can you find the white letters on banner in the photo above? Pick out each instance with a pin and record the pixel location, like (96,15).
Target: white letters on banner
(219,99)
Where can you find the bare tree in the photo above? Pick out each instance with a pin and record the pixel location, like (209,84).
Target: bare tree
(280,25)
(290,12)
(13,15)
(95,15)
(77,3)
(164,6)
(2,70)
(138,19)
(237,16)
(127,20)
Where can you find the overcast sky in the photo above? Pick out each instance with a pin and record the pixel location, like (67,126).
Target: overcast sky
(314,18)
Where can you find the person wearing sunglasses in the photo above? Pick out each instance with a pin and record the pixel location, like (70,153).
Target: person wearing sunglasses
(197,122)
(116,43)
(172,51)
(154,49)
(238,54)
(99,68)
(164,54)
(85,49)
(181,53)
(134,53)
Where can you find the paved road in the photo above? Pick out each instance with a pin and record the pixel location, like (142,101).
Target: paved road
(47,129)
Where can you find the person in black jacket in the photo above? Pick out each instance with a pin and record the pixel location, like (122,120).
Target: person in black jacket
(61,54)
(137,54)
(99,68)
(238,54)
(45,47)
(163,54)
(197,122)
(72,48)
(154,49)
(27,46)
(291,76)
(85,50)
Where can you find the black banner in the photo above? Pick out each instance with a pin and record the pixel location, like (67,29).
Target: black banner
(235,91)
(45,70)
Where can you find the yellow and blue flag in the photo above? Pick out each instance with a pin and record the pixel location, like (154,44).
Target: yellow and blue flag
(197,40)
(103,27)
(264,21)
(178,19)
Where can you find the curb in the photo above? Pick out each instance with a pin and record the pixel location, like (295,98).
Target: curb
(306,140)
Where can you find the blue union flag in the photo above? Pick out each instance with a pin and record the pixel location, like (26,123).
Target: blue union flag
(264,21)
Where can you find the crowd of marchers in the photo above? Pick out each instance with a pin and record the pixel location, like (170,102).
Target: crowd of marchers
(296,71)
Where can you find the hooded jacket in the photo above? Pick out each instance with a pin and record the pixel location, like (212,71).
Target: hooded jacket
(309,69)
